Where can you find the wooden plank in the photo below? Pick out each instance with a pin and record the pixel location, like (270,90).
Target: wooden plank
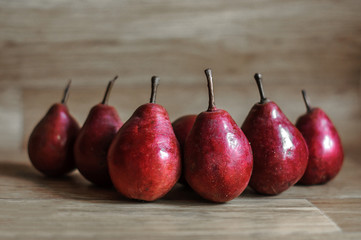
(74,219)
(43,43)
(11,119)
(345,212)
(35,207)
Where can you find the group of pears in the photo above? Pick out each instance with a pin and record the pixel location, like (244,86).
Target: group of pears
(147,155)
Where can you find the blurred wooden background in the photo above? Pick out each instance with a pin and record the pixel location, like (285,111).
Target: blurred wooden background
(314,45)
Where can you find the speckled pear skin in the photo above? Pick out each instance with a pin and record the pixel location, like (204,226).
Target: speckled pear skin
(182,127)
(324,144)
(144,158)
(218,157)
(51,143)
(92,144)
(280,153)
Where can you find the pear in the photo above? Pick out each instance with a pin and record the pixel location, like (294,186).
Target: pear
(218,157)
(324,144)
(144,158)
(280,153)
(92,144)
(182,126)
(50,146)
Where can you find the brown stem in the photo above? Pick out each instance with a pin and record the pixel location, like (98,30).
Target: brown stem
(155,84)
(258,78)
(306,100)
(211,104)
(107,91)
(66,93)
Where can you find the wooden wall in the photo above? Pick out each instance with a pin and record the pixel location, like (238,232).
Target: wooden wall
(314,45)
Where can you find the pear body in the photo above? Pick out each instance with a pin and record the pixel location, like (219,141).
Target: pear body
(144,158)
(92,144)
(324,145)
(280,153)
(182,127)
(218,157)
(51,143)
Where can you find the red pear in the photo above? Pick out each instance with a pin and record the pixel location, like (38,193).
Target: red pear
(324,145)
(218,157)
(280,153)
(92,144)
(144,158)
(182,126)
(50,145)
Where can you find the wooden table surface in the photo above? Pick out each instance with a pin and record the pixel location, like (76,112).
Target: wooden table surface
(35,207)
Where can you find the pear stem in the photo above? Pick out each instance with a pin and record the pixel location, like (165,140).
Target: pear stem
(66,93)
(258,78)
(107,91)
(211,104)
(155,84)
(306,100)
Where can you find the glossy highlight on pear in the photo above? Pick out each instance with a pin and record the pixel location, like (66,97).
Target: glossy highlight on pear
(324,144)
(92,144)
(280,153)
(144,158)
(50,146)
(218,157)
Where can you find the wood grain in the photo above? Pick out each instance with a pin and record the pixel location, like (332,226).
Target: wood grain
(75,218)
(71,208)
(299,41)
(346,212)
(11,119)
